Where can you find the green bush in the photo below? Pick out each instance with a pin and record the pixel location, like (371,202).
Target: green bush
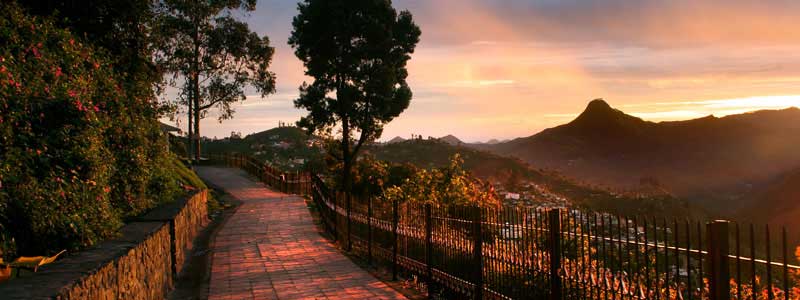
(77,152)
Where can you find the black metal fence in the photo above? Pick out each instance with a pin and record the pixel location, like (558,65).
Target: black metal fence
(286,182)
(553,253)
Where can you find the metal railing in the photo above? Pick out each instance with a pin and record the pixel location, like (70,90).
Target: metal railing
(533,253)
(286,182)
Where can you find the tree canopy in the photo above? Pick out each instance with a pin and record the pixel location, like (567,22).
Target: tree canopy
(215,56)
(356,52)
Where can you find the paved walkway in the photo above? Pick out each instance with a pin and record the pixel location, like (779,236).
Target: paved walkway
(270,249)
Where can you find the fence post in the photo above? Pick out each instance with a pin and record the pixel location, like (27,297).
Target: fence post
(347,199)
(429,249)
(395,221)
(554,216)
(335,216)
(719,266)
(283,182)
(477,252)
(369,230)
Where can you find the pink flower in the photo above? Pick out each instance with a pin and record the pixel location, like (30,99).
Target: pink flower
(79,105)
(96,109)
(58,72)
(72,93)
(71,42)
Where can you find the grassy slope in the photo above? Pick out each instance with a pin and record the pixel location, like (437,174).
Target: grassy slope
(184,175)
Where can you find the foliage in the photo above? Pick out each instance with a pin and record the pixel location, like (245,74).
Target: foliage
(445,186)
(123,29)
(184,176)
(277,146)
(79,151)
(516,176)
(216,55)
(357,51)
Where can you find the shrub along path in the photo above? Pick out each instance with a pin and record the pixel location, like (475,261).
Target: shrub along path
(270,249)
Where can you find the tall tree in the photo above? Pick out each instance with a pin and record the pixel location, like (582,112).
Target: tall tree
(215,56)
(356,51)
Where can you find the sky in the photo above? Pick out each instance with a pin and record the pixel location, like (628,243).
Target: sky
(509,68)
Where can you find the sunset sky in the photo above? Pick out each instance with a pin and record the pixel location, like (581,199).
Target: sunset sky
(505,69)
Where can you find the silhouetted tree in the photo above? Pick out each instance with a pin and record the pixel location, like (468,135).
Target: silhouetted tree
(356,51)
(215,55)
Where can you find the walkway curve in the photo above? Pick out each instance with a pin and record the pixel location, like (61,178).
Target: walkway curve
(270,249)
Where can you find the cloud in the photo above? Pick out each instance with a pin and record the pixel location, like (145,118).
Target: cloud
(508,68)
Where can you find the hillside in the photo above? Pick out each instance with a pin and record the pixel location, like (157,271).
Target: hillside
(515,175)
(451,139)
(714,161)
(287,147)
(777,202)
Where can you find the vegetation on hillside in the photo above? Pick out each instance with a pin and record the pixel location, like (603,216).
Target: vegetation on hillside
(80,145)
(288,148)
(713,162)
(449,185)
(513,175)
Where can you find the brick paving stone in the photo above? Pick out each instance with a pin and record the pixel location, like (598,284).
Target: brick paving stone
(270,249)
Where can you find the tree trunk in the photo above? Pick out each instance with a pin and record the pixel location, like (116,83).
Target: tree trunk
(197,122)
(190,129)
(196,91)
(346,181)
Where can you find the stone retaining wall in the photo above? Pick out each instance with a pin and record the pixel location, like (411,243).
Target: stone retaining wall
(141,264)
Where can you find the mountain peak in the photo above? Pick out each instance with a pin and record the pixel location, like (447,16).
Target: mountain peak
(600,118)
(598,111)
(598,106)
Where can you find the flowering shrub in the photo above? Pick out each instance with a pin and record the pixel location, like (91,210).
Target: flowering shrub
(77,152)
(445,186)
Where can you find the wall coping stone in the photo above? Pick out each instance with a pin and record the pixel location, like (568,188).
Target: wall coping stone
(52,280)
(55,279)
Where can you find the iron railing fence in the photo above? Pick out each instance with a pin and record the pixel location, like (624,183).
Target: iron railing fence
(555,253)
(286,182)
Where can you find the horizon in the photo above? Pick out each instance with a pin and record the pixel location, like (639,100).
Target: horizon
(497,81)
(570,116)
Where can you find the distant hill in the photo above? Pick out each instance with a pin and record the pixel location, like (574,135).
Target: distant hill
(450,139)
(777,202)
(287,133)
(396,139)
(287,147)
(500,169)
(714,161)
